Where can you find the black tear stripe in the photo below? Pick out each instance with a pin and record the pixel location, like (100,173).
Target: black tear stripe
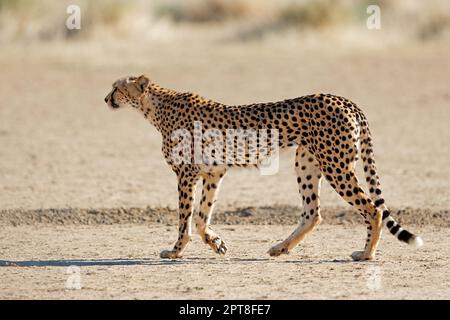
(113,103)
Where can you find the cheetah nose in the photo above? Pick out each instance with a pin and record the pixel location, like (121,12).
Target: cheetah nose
(106,99)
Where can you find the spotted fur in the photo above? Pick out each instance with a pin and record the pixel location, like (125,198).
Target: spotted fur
(329,132)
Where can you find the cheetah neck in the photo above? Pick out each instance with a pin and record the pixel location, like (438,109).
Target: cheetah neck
(152,103)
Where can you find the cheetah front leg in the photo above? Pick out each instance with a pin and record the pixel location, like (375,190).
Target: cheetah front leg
(309,179)
(211,183)
(187,179)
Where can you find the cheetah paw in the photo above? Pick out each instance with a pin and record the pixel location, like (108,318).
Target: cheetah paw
(169,254)
(277,250)
(218,246)
(360,255)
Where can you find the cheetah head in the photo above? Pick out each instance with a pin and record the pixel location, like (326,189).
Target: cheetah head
(127,91)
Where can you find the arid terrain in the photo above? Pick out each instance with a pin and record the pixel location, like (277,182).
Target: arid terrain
(121,261)
(83,186)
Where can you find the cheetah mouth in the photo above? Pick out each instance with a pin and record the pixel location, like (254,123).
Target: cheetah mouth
(113,104)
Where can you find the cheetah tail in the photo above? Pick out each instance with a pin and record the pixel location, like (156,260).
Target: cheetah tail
(373,182)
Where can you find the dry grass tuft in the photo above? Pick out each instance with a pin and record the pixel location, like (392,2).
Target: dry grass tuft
(314,14)
(197,11)
(434,27)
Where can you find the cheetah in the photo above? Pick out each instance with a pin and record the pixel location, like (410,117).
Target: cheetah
(329,133)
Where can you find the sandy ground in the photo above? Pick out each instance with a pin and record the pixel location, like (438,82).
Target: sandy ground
(121,261)
(65,157)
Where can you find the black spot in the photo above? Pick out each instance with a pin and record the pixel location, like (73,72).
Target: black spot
(379,202)
(390,224)
(386,214)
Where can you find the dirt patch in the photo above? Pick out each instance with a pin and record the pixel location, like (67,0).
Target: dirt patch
(269,215)
(122,261)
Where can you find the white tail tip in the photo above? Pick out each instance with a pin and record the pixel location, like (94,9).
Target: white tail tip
(417,242)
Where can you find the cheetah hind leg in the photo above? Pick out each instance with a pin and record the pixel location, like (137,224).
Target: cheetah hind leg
(356,197)
(211,183)
(309,179)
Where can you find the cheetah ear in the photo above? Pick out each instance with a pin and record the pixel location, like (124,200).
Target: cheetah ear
(142,83)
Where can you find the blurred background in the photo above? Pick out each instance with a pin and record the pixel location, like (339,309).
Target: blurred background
(61,147)
(223,20)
